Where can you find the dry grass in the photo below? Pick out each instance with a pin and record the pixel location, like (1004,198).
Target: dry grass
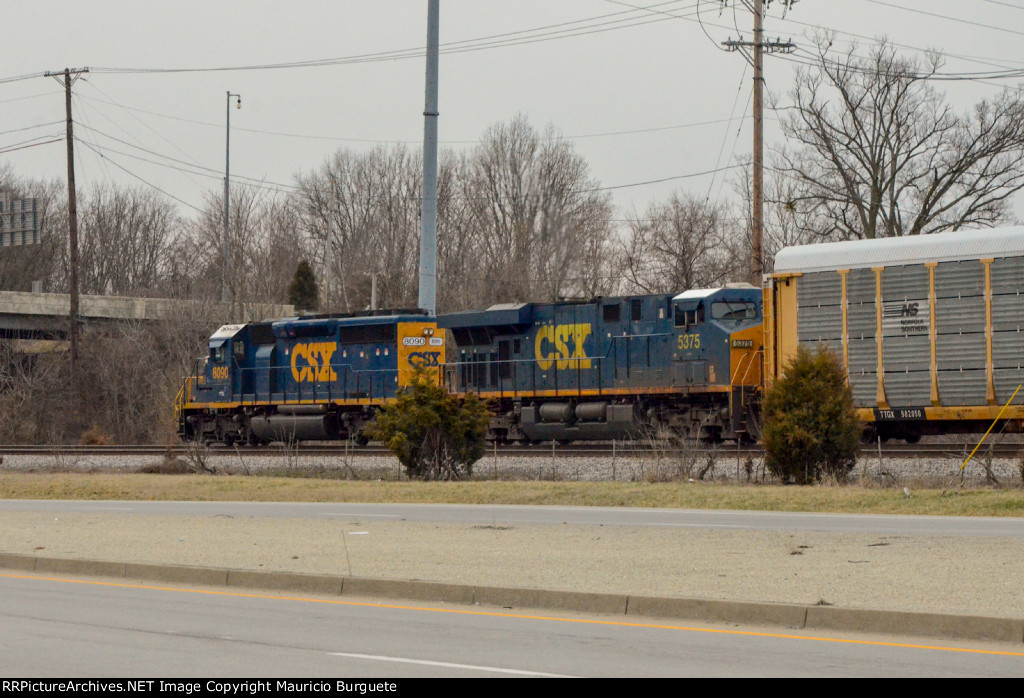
(845,499)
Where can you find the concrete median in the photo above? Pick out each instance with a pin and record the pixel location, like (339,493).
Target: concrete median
(796,616)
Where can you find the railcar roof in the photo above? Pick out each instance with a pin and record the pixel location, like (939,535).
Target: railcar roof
(937,247)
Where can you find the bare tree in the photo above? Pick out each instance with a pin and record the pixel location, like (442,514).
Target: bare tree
(533,206)
(125,236)
(361,211)
(678,245)
(881,153)
(266,243)
(783,224)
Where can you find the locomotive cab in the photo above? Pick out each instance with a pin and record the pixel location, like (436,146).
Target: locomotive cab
(220,375)
(717,350)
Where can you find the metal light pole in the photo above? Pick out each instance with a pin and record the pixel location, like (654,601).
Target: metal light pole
(225,294)
(428,225)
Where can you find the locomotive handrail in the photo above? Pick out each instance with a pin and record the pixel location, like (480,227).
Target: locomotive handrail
(451,369)
(757,353)
(375,381)
(739,365)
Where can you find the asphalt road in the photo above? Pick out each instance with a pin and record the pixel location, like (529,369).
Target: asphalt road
(95,628)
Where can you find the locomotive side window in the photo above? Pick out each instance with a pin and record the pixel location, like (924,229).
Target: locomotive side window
(219,354)
(610,312)
(687,314)
(733,310)
(636,310)
(238,349)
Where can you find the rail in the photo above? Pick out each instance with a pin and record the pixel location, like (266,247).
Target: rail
(952,451)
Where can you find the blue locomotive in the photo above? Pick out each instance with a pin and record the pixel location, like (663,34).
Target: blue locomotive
(308,378)
(608,368)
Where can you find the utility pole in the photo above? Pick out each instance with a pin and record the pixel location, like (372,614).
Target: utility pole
(755,57)
(428,222)
(69,76)
(225,292)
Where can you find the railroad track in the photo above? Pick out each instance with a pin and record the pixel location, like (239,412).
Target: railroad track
(628,450)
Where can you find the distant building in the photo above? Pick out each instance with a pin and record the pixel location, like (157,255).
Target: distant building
(19,221)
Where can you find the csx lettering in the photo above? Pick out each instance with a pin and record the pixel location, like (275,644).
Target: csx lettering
(219,373)
(425,358)
(689,341)
(558,336)
(317,358)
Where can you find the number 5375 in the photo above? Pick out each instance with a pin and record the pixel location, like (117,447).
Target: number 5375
(689,341)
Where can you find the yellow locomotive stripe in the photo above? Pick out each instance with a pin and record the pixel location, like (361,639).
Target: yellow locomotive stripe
(594,392)
(257,403)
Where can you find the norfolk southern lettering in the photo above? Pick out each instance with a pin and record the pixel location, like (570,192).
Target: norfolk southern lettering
(906,317)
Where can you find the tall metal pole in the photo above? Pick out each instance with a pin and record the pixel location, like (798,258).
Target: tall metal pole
(757,266)
(225,294)
(428,223)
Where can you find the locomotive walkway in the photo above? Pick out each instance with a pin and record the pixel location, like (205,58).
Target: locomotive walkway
(962,587)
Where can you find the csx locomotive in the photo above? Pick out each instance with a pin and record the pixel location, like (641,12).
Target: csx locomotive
(308,378)
(611,367)
(929,329)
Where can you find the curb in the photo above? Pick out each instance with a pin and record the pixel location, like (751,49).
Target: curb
(796,616)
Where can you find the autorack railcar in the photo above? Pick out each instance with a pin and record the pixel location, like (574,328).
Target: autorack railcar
(929,327)
(613,367)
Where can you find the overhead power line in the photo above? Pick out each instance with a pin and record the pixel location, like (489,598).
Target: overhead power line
(590,25)
(200,169)
(132,174)
(33,145)
(946,17)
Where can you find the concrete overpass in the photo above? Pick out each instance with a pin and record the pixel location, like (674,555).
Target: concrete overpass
(45,315)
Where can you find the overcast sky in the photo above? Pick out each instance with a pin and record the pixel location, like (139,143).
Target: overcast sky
(643,94)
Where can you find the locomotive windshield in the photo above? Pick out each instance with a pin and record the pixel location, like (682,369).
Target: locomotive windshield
(733,310)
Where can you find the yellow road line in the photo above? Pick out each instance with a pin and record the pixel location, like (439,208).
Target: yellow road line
(495,614)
